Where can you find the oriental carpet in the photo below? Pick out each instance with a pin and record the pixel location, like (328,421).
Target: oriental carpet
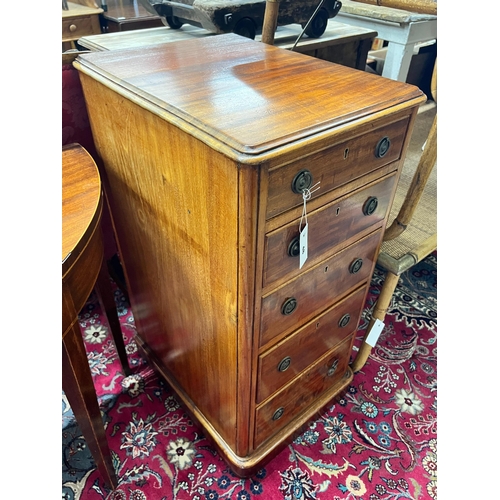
(376,442)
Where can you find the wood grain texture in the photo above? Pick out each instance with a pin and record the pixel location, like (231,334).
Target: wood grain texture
(177,238)
(81,201)
(330,227)
(198,157)
(335,166)
(315,288)
(300,393)
(82,252)
(234,95)
(307,344)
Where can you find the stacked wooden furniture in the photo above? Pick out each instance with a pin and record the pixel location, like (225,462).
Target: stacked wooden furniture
(341,43)
(79,20)
(210,146)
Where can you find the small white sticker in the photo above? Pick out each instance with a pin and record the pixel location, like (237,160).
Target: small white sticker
(375,332)
(303,245)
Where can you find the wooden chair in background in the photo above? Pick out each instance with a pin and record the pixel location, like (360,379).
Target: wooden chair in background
(411,233)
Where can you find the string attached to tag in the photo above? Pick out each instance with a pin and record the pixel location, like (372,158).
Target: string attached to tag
(303,231)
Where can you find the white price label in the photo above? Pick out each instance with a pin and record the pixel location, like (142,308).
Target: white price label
(303,245)
(375,332)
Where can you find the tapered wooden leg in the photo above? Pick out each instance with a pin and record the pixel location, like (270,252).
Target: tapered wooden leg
(79,388)
(105,295)
(379,312)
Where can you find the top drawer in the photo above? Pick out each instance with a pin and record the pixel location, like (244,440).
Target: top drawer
(335,166)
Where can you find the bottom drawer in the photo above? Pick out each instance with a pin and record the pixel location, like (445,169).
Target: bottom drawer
(298,395)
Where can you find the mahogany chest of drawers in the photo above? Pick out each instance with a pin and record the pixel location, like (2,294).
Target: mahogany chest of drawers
(213,149)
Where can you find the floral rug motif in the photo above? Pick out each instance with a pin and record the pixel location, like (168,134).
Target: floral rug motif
(377,442)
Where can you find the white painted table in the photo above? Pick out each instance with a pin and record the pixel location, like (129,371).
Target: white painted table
(402,29)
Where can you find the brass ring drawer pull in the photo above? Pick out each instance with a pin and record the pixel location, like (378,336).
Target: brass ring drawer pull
(302,180)
(344,320)
(332,368)
(356,266)
(278,413)
(294,247)
(289,306)
(370,205)
(382,147)
(284,364)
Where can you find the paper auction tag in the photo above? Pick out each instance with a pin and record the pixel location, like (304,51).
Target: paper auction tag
(375,332)
(303,231)
(303,245)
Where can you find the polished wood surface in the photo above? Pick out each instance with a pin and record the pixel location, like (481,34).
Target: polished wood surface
(82,271)
(203,126)
(82,258)
(314,289)
(176,75)
(341,222)
(312,383)
(348,166)
(307,344)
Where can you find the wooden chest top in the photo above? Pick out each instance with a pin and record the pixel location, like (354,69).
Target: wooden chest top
(249,96)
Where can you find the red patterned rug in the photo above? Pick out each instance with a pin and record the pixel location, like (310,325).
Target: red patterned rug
(378,442)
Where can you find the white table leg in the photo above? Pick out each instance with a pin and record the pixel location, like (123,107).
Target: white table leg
(397,61)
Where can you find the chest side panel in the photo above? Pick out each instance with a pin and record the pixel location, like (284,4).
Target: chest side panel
(175,209)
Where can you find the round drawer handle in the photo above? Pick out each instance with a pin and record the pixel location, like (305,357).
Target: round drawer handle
(302,180)
(382,147)
(284,364)
(344,320)
(72,28)
(332,368)
(356,266)
(289,306)
(294,247)
(370,206)
(278,413)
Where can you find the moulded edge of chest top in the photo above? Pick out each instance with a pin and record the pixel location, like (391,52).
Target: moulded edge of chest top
(275,155)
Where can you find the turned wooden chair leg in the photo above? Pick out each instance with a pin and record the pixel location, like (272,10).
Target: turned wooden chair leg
(379,312)
(105,296)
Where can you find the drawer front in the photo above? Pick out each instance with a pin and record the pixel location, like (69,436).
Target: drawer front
(285,361)
(77,27)
(335,166)
(329,226)
(297,396)
(311,292)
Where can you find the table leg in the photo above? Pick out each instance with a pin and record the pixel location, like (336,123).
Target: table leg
(79,388)
(397,61)
(105,296)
